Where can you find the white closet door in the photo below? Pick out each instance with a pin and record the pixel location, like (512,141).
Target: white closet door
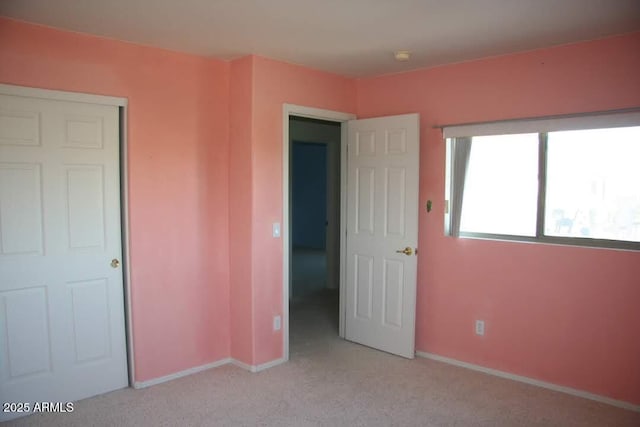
(62,332)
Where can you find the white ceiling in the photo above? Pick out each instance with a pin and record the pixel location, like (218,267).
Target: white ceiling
(349,37)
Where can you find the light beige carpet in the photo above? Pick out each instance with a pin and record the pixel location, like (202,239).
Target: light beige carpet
(330,382)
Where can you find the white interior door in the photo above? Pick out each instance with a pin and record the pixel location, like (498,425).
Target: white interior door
(62,332)
(382,232)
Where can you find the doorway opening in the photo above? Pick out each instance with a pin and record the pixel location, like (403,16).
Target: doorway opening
(317,139)
(314,200)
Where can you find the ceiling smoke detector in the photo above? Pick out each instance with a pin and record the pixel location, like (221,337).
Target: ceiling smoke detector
(402,55)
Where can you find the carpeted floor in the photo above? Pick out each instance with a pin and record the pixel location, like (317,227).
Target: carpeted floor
(331,382)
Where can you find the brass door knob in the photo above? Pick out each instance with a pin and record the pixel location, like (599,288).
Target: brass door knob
(115,263)
(406,251)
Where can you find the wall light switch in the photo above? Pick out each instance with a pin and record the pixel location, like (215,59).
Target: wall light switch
(277,323)
(276,229)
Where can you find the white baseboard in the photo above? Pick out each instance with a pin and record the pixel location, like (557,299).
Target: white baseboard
(196,369)
(268,365)
(257,368)
(241,365)
(174,376)
(527,380)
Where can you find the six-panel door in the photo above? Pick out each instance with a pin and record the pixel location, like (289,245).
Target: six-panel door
(62,334)
(382,221)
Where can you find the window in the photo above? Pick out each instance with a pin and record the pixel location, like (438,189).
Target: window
(593,184)
(562,180)
(501,188)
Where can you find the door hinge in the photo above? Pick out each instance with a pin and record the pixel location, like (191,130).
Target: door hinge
(416,252)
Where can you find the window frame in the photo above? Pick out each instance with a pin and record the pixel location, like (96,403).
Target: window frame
(601,120)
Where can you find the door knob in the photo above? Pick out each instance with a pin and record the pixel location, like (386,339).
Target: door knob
(115,263)
(406,251)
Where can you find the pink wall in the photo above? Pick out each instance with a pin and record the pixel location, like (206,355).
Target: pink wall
(276,83)
(565,315)
(178,180)
(240,209)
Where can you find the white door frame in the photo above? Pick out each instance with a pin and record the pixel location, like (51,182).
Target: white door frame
(289,110)
(121,103)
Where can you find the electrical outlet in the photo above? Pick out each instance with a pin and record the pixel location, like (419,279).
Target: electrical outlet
(479,327)
(277,323)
